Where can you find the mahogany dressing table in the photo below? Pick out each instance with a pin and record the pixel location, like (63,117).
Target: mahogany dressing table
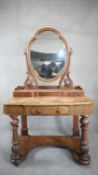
(48,61)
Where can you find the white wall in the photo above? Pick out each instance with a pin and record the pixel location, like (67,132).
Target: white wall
(76,19)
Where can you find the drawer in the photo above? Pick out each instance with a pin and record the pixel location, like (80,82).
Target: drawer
(48,110)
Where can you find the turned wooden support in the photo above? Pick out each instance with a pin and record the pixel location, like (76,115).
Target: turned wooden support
(76,131)
(24,129)
(84,157)
(15,157)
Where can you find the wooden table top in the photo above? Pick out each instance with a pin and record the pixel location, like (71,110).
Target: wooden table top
(49,101)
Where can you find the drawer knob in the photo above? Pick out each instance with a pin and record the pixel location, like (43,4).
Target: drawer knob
(58,111)
(38,111)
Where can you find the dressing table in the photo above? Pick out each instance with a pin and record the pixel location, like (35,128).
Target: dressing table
(49,91)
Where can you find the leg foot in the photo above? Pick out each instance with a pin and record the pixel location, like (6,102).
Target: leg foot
(15,156)
(84,156)
(80,160)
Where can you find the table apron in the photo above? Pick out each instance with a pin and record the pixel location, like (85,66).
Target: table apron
(48,110)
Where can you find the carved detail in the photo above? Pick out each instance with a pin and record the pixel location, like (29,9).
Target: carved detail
(28,82)
(68,82)
(84,149)
(15,156)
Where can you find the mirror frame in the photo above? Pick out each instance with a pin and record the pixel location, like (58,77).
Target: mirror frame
(31,71)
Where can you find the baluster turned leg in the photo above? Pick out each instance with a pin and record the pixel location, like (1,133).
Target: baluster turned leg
(76,131)
(24,130)
(84,157)
(15,156)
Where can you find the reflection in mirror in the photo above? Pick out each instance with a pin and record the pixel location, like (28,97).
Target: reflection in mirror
(48,54)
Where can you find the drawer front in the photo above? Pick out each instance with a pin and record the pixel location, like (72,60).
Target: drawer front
(48,110)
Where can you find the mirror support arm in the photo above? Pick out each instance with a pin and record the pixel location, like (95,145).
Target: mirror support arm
(67,80)
(30,79)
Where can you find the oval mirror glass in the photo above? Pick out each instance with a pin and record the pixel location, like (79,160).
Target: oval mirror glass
(48,54)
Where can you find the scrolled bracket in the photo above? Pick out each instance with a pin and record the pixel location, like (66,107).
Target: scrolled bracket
(28,82)
(68,81)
